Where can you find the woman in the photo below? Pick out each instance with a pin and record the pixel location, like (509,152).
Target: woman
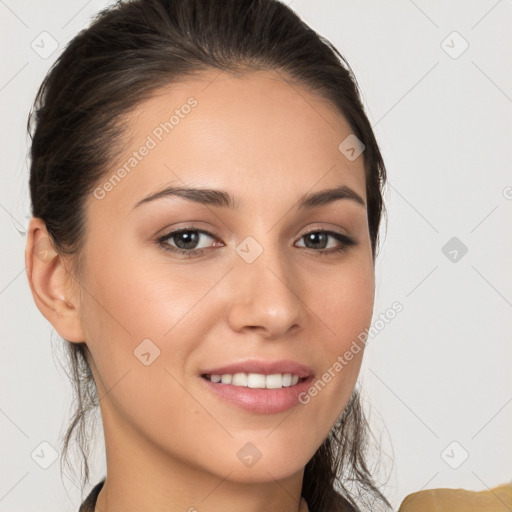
(206,197)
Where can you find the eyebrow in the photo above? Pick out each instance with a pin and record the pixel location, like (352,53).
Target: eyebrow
(220,198)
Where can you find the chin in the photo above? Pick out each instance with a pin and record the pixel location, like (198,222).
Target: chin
(251,465)
(265,473)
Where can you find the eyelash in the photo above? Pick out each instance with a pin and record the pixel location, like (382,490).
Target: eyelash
(347,241)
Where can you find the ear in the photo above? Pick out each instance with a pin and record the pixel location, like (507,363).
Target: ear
(54,289)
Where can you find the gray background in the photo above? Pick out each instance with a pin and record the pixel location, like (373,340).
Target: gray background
(436,379)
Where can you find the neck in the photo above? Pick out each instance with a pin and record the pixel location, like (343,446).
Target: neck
(141,476)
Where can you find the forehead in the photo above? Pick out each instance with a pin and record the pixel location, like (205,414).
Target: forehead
(255,135)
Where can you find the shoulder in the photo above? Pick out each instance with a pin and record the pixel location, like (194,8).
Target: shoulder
(459,500)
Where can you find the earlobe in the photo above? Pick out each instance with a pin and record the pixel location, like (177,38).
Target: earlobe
(53,287)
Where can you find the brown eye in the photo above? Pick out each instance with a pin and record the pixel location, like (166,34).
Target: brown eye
(184,241)
(319,240)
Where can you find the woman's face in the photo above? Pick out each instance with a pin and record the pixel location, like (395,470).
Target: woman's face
(253,288)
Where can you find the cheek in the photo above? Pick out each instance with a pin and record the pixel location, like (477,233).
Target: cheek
(135,299)
(346,305)
(345,310)
(141,328)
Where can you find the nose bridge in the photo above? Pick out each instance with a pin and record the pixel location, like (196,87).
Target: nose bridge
(266,288)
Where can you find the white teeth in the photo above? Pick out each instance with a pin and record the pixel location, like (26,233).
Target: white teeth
(226,379)
(275,381)
(287,379)
(256,380)
(239,379)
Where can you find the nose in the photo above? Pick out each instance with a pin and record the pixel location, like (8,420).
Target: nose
(265,296)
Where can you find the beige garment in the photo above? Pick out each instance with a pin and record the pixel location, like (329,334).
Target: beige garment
(497,499)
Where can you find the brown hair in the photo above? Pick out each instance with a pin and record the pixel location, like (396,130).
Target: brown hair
(128,52)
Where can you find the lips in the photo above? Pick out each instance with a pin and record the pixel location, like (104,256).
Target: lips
(259,401)
(262,367)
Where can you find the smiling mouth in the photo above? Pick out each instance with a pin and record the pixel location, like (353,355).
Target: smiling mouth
(256,380)
(269,392)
